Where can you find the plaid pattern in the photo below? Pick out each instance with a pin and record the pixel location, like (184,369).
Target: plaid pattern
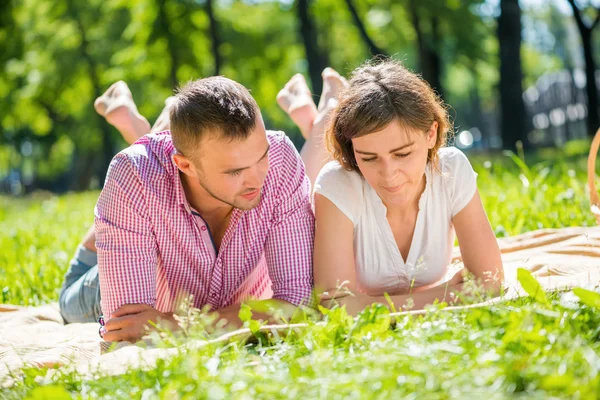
(152,249)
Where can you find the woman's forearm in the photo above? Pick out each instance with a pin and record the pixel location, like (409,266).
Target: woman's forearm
(452,293)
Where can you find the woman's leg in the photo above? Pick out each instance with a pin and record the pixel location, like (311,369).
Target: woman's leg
(296,101)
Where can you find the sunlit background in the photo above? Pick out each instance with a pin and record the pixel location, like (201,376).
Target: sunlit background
(514,73)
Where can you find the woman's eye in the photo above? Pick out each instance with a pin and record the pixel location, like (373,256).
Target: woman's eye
(402,155)
(369,159)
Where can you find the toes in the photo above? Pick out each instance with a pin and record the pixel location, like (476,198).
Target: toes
(100,105)
(169,101)
(333,78)
(298,85)
(283,99)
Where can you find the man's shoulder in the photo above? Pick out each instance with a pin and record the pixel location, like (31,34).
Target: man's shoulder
(280,143)
(286,170)
(283,155)
(149,155)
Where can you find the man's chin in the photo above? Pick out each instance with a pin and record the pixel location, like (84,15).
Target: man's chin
(246,205)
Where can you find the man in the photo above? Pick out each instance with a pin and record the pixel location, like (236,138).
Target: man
(218,209)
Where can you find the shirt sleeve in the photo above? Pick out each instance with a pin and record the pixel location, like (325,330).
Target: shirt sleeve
(127,250)
(462,180)
(343,188)
(289,244)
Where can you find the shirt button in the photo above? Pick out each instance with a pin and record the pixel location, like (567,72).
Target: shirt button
(203,227)
(213,295)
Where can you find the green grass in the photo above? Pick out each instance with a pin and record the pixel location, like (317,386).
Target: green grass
(524,348)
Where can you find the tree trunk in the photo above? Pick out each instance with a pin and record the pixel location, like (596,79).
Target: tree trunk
(429,59)
(512,117)
(586,32)
(374,50)
(593,119)
(163,21)
(214,35)
(107,151)
(317,61)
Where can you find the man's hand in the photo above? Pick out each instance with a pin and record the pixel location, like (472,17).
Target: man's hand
(131,321)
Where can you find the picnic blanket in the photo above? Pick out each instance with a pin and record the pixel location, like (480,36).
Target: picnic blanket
(37,336)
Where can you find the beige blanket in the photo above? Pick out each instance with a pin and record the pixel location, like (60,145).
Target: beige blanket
(37,336)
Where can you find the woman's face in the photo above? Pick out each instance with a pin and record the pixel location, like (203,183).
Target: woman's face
(393,161)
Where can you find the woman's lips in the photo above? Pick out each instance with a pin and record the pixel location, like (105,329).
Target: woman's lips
(393,189)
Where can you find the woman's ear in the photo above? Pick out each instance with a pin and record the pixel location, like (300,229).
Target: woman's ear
(432,135)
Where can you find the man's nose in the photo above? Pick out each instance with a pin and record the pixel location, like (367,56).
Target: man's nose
(255,177)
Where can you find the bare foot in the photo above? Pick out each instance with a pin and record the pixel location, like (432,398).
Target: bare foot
(333,85)
(314,153)
(296,100)
(163,121)
(119,109)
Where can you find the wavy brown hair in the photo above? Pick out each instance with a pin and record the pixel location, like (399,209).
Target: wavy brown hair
(382,91)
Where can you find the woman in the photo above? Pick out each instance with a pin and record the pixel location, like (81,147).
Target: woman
(388,206)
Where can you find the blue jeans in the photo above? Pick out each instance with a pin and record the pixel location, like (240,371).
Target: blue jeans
(79,298)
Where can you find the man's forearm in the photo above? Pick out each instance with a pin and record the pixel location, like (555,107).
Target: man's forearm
(269,311)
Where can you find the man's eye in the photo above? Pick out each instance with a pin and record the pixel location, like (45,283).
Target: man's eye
(234,173)
(369,159)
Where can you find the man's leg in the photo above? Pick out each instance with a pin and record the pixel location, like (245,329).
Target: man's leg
(119,109)
(79,297)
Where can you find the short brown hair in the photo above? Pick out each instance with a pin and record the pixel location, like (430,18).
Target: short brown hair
(216,104)
(381,91)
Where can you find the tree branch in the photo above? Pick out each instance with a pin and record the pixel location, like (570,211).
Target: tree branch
(214,35)
(577,14)
(363,31)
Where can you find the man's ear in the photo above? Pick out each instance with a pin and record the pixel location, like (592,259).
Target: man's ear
(185,165)
(432,135)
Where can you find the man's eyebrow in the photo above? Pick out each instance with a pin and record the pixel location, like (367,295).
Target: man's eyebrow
(391,151)
(234,170)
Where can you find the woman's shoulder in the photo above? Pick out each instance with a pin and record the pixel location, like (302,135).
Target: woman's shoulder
(457,177)
(333,173)
(451,158)
(342,187)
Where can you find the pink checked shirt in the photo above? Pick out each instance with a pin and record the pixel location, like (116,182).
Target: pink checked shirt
(152,247)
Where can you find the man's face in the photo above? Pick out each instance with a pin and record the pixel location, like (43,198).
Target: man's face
(234,172)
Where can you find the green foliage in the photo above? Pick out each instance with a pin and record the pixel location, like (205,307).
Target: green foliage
(588,297)
(532,286)
(38,237)
(57,56)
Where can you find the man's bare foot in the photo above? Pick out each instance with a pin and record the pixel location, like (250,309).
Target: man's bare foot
(119,109)
(163,122)
(333,85)
(296,100)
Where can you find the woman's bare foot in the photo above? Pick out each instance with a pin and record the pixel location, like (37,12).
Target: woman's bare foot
(333,85)
(296,100)
(314,153)
(119,109)
(163,121)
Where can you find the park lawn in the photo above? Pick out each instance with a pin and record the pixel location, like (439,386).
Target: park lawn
(537,349)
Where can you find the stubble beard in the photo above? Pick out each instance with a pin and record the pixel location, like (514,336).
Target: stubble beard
(244,207)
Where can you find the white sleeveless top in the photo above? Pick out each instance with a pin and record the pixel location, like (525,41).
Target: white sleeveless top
(380,267)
